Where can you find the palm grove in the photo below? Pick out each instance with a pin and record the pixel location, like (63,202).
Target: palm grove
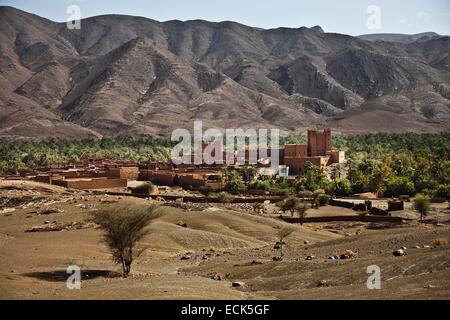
(386,164)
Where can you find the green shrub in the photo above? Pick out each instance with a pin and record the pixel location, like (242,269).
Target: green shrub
(290,204)
(422,204)
(396,186)
(323,199)
(224,197)
(339,187)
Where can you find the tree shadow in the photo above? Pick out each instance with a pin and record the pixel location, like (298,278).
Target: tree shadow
(62,275)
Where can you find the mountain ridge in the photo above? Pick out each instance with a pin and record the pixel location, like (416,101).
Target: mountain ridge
(134,76)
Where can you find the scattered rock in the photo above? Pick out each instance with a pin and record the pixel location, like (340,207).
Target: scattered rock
(323,283)
(348,254)
(399,253)
(217,277)
(86,206)
(403,248)
(310,257)
(417,247)
(181,223)
(426,246)
(237,284)
(55,226)
(185,257)
(430,286)
(49,210)
(306,242)
(7,210)
(277,258)
(211,209)
(160,199)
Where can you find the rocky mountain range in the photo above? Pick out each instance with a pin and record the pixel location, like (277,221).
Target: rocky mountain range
(133,76)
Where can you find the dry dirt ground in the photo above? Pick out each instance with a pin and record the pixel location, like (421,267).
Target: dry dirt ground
(238,247)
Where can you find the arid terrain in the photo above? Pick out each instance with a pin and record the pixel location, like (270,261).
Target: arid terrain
(132,76)
(215,248)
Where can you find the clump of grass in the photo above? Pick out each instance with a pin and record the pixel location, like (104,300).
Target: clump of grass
(440,242)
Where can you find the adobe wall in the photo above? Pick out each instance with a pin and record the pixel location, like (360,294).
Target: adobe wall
(336,156)
(129,173)
(296,165)
(319,142)
(161,178)
(296,150)
(44,179)
(194,180)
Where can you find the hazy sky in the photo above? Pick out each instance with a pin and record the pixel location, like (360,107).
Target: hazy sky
(344,16)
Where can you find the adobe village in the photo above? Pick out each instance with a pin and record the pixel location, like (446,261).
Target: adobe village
(220,231)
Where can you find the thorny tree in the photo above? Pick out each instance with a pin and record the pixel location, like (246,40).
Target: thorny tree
(123,227)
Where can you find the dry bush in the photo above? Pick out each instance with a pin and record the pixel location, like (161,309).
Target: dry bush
(440,242)
(145,188)
(123,227)
(224,197)
(301,210)
(282,234)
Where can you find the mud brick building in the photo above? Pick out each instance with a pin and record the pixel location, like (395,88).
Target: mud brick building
(319,151)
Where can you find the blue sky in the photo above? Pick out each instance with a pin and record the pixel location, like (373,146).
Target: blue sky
(345,16)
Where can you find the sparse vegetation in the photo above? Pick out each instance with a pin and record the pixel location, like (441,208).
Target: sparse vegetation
(323,200)
(301,210)
(224,197)
(123,228)
(283,233)
(440,242)
(290,204)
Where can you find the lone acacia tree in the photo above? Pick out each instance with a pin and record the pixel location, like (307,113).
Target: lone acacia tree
(123,227)
(282,234)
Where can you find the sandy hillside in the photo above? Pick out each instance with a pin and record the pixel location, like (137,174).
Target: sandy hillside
(235,246)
